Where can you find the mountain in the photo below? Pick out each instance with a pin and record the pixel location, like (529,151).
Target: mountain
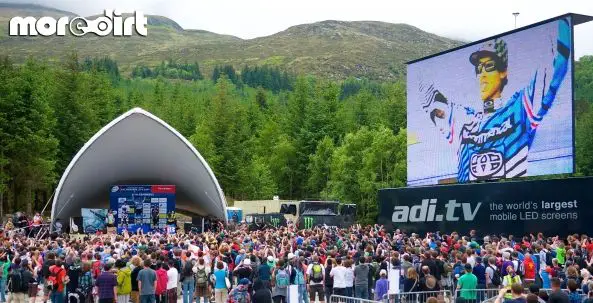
(333,49)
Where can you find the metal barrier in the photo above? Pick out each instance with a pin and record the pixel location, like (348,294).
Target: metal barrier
(489,295)
(343,299)
(477,295)
(419,297)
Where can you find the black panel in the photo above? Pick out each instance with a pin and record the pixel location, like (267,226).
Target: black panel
(561,206)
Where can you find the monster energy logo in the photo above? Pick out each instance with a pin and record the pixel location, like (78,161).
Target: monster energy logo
(308,222)
(275,222)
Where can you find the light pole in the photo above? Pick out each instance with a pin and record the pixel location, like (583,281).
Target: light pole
(516,15)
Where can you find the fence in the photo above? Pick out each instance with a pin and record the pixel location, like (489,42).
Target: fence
(342,299)
(477,295)
(419,297)
(489,295)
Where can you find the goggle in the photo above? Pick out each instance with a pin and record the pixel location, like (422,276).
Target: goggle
(488,66)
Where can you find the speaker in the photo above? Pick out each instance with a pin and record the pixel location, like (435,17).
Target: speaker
(196,221)
(349,210)
(189,227)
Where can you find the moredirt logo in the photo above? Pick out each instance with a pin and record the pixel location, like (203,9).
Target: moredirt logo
(426,212)
(308,222)
(111,23)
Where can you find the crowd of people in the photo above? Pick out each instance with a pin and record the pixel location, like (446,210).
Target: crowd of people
(238,265)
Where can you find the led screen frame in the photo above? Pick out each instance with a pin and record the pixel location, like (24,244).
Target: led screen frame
(574,19)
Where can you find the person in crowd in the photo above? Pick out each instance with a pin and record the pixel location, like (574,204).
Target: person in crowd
(261,294)
(510,279)
(349,278)
(467,284)
(147,282)
(57,279)
(382,286)
(19,279)
(187,278)
(162,280)
(361,280)
(240,294)
(316,275)
(281,282)
(137,267)
(221,290)
(516,294)
(534,289)
(338,273)
(106,285)
(124,281)
(202,286)
(411,282)
(85,283)
(557,295)
(328,279)
(4,268)
(172,280)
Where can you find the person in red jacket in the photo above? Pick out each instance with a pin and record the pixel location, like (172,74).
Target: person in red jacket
(529,268)
(161,282)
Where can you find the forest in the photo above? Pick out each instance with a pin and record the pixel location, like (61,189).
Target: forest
(262,131)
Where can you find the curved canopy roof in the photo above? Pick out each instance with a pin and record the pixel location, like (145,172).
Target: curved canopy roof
(137,148)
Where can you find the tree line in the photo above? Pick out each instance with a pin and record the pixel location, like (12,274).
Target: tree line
(320,139)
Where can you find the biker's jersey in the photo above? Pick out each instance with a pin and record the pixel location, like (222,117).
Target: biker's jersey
(496,145)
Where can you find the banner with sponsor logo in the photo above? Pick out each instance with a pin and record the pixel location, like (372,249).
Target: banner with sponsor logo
(559,206)
(311,221)
(149,207)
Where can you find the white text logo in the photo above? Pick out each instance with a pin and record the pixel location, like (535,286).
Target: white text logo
(111,23)
(425,212)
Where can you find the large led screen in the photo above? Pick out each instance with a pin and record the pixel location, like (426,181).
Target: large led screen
(500,108)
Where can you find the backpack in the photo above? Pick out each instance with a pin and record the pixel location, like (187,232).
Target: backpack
(201,277)
(52,281)
(300,278)
(282,278)
(496,280)
(238,296)
(17,283)
(317,271)
(187,270)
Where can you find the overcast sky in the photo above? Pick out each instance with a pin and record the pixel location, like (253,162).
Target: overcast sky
(462,19)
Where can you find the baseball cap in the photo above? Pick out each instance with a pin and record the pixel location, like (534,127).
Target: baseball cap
(270,259)
(290,256)
(496,48)
(247,262)
(244,281)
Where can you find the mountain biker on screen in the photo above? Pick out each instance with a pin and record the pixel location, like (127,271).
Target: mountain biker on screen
(494,141)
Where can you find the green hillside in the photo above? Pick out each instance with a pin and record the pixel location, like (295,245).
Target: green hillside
(332,49)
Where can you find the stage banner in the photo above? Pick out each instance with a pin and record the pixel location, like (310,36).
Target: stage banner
(553,207)
(146,207)
(93,219)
